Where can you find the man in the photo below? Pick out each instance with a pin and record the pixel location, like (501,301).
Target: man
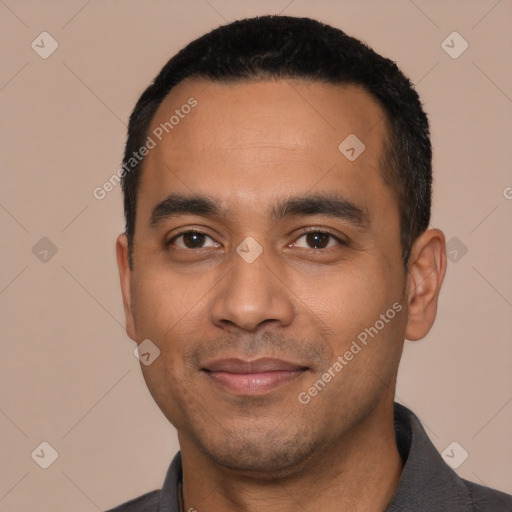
(277,182)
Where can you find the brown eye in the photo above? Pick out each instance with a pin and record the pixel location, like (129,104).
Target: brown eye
(316,239)
(191,240)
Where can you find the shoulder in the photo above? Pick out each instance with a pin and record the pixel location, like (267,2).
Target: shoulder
(148,502)
(484,499)
(429,483)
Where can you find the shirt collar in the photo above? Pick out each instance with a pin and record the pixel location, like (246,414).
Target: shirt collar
(169,493)
(427,482)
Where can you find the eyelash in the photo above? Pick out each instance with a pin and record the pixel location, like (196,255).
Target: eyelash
(304,231)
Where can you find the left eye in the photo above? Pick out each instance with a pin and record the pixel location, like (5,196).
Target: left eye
(319,239)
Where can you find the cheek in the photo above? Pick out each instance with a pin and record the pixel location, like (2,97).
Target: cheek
(361,305)
(167,303)
(167,385)
(365,339)
(168,313)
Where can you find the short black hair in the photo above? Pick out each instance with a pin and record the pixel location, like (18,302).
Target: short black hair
(284,47)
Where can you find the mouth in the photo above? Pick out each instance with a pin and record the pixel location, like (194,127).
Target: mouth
(252,378)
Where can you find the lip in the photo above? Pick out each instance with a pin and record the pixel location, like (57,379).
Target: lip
(255,377)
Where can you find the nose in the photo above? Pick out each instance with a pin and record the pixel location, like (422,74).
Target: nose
(252,293)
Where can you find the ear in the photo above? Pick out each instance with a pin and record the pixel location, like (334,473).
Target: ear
(427,267)
(125,275)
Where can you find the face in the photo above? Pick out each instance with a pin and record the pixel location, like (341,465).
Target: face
(286,261)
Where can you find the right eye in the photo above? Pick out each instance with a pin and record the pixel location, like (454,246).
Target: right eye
(190,239)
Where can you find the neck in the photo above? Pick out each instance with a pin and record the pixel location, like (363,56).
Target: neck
(359,472)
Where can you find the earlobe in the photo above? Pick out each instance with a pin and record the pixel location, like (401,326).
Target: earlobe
(427,267)
(125,276)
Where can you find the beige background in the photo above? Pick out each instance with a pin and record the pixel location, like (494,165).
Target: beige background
(69,376)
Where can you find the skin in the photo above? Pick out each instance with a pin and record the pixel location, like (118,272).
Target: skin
(248,145)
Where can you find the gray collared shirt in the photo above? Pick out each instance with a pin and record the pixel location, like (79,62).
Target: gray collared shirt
(427,483)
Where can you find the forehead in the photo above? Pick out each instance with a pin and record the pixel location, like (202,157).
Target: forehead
(251,139)
(285,112)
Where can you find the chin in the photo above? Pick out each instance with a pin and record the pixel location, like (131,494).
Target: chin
(260,453)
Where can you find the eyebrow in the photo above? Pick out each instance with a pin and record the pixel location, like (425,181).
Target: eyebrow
(330,205)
